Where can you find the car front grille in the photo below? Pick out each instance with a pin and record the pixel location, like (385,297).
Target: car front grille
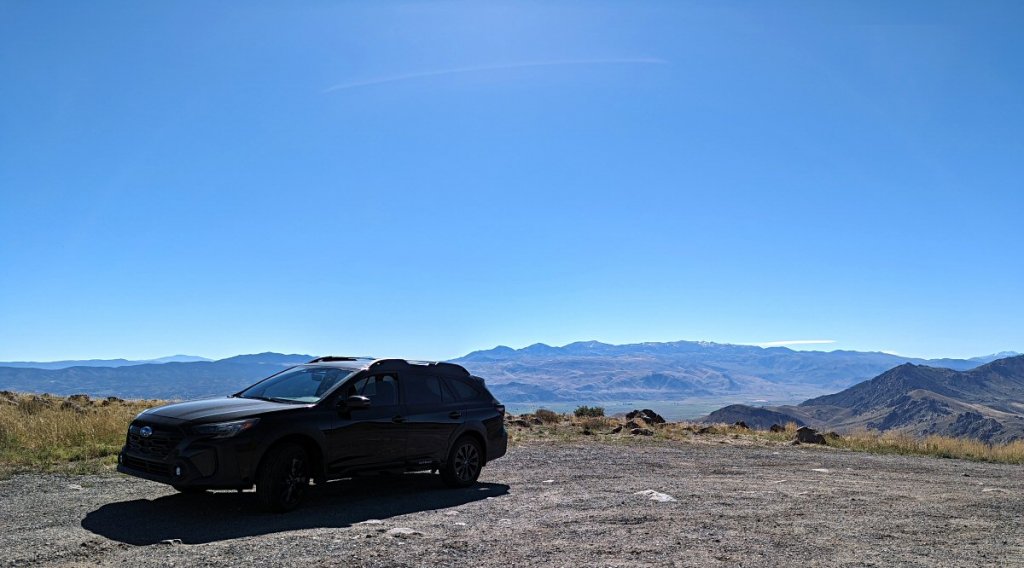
(157,445)
(155,468)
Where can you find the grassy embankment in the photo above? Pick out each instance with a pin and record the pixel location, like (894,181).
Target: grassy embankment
(75,435)
(83,435)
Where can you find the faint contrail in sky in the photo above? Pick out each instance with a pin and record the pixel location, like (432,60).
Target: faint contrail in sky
(458,70)
(796,342)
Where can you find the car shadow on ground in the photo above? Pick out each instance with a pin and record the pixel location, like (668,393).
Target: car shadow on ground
(215,516)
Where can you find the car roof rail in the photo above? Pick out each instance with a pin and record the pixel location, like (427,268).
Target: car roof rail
(448,368)
(333,358)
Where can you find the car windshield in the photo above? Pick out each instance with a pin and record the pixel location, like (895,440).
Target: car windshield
(301,385)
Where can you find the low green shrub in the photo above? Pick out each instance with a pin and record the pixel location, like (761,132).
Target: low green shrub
(588,411)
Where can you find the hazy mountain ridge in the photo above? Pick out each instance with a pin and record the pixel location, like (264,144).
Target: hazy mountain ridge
(102,362)
(586,371)
(153,380)
(986,402)
(595,371)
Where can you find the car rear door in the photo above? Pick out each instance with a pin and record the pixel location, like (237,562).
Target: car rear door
(430,421)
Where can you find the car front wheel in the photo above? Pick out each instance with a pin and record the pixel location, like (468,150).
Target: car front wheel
(283,478)
(464,463)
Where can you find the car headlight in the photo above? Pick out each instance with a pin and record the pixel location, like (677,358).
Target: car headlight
(225,429)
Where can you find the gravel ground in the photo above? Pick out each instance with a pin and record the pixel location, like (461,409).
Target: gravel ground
(552,505)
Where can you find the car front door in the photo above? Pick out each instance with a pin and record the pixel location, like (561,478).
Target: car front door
(364,438)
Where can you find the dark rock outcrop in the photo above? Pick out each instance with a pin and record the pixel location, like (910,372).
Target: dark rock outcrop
(647,415)
(974,425)
(806,435)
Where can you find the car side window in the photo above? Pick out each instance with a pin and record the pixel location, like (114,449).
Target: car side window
(461,390)
(382,390)
(424,390)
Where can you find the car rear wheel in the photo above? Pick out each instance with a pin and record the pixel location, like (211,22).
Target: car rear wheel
(464,463)
(283,478)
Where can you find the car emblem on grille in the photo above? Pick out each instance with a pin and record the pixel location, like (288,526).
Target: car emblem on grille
(145,431)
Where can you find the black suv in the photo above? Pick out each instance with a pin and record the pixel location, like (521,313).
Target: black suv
(330,418)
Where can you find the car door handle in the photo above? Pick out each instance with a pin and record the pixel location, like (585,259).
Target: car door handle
(398,419)
(454,414)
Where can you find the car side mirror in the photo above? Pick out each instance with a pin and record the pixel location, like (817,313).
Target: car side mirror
(355,402)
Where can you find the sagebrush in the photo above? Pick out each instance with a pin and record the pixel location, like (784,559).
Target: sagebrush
(588,411)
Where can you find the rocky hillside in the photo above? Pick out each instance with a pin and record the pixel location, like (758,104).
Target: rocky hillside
(986,403)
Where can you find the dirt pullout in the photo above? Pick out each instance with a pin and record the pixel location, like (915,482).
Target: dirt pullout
(640,503)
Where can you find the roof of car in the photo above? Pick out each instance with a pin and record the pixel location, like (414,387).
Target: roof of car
(360,363)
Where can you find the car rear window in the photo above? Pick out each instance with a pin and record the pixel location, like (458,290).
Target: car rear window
(463,390)
(423,390)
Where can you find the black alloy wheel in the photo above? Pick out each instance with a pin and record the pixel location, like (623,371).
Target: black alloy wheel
(464,463)
(283,478)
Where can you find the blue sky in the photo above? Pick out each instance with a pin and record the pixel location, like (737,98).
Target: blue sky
(425,179)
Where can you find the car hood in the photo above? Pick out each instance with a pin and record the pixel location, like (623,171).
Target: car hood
(211,409)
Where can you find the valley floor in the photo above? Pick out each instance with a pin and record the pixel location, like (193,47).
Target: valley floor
(549,504)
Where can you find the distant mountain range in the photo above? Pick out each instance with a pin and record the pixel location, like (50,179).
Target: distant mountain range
(102,362)
(172,380)
(986,403)
(594,371)
(587,371)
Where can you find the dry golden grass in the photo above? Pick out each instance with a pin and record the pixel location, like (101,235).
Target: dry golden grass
(570,428)
(76,434)
(938,446)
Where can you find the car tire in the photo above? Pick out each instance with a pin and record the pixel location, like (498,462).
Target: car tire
(283,478)
(465,460)
(189,489)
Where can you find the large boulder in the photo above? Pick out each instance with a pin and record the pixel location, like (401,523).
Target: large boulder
(68,405)
(647,415)
(806,435)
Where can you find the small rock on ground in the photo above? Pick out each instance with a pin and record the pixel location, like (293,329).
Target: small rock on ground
(403,532)
(656,496)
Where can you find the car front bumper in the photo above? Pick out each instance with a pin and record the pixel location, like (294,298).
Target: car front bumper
(176,458)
